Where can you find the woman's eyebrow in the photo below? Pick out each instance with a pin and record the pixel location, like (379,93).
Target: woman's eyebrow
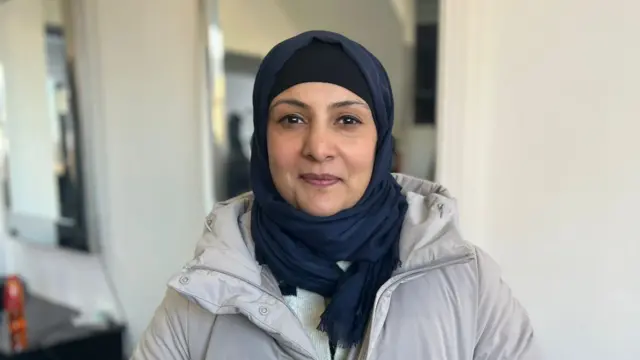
(302,105)
(340,104)
(292,102)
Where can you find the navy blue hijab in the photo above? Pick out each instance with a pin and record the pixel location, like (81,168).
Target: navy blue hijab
(302,250)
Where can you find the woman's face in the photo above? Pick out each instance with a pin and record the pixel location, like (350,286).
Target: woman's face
(321,140)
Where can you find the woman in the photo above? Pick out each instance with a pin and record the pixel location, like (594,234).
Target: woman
(332,256)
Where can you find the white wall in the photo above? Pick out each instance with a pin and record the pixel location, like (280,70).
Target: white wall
(151,68)
(539,140)
(141,70)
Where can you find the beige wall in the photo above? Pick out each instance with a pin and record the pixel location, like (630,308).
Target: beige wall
(52,11)
(253,27)
(539,141)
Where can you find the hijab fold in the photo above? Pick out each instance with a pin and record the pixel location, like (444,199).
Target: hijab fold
(302,250)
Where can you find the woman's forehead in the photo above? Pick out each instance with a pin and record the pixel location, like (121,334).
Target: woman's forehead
(317,93)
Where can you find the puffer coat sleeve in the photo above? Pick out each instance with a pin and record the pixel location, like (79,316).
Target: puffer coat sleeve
(167,335)
(504,330)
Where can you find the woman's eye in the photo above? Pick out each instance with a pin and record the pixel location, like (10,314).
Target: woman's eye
(349,120)
(291,120)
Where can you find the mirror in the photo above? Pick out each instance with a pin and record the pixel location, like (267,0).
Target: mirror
(39,125)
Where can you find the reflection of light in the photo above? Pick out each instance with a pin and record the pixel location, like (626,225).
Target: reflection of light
(3,104)
(246,130)
(3,115)
(216,40)
(219,123)
(215,52)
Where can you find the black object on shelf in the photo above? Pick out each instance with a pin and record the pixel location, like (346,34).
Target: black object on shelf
(53,336)
(86,343)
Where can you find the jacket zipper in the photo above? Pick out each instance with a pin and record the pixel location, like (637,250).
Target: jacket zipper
(364,351)
(263,290)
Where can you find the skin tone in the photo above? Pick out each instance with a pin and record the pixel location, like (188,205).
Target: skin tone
(321,140)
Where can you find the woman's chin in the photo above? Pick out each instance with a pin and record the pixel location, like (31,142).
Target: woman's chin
(320,208)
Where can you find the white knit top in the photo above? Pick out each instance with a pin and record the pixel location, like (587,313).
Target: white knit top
(308,307)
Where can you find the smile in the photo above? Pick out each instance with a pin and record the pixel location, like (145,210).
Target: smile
(320,180)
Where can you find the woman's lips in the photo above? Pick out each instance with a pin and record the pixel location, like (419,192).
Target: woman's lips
(320,180)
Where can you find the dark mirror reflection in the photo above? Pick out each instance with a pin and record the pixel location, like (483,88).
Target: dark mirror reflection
(237,165)
(239,72)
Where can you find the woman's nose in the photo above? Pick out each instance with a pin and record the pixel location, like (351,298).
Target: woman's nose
(318,144)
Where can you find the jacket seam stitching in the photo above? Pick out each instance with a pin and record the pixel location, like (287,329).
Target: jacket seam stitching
(188,329)
(172,330)
(478,294)
(223,307)
(250,317)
